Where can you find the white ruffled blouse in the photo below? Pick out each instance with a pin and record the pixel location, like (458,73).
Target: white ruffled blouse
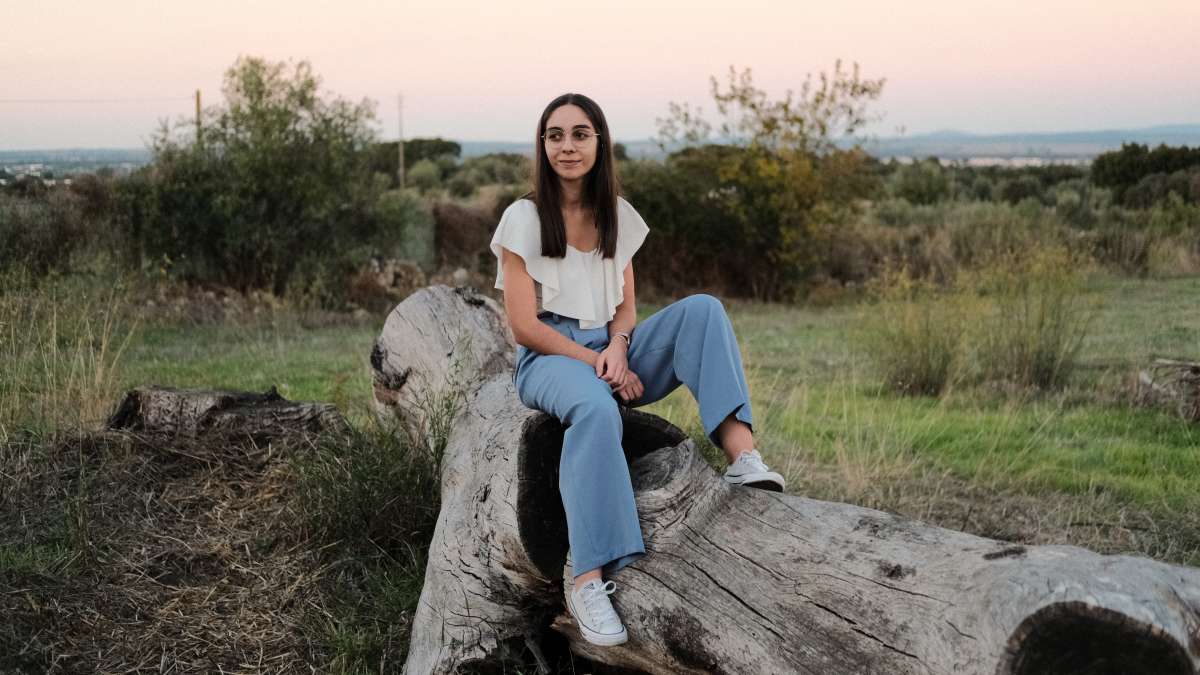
(584,286)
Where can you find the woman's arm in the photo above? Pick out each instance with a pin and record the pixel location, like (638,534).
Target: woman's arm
(520,302)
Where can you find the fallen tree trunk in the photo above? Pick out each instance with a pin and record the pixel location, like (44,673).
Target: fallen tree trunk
(737,579)
(195,412)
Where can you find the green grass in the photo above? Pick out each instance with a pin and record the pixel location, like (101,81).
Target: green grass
(813,394)
(328,363)
(821,417)
(817,404)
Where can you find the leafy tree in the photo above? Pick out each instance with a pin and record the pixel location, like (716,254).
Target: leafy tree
(278,180)
(777,179)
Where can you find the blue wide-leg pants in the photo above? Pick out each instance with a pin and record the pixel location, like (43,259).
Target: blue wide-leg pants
(689,342)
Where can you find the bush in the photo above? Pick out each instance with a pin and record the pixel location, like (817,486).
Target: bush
(462,234)
(921,182)
(41,233)
(424,175)
(278,180)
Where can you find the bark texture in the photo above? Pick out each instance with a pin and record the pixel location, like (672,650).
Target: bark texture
(738,580)
(194,412)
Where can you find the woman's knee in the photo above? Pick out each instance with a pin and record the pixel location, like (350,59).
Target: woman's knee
(705,302)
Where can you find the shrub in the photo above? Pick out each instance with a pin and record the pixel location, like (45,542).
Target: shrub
(461,235)
(278,179)
(921,182)
(40,234)
(424,175)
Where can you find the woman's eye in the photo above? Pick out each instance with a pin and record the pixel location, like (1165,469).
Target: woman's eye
(555,136)
(580,136)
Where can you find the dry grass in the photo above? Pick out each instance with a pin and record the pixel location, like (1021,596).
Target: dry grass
(61,342)
(178,554)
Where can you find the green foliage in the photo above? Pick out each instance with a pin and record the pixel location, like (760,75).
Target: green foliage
(769,192)
(923,182)
(276,186)
(1018,189)
(914,334)
(40,234)
(502,168)
(1121,170)
(384,157)
(424,175)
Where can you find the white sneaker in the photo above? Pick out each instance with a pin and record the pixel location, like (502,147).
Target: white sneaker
(593,611)
(750,470)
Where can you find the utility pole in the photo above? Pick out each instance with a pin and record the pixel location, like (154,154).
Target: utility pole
(400,142)
(197,117)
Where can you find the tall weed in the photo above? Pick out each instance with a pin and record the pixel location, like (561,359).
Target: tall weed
(1019,319)
(1033,320)
(61,343)
(914,332)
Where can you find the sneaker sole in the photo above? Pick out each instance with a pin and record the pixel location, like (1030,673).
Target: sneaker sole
(598,639)
(763,481)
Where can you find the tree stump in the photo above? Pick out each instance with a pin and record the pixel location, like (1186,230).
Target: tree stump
(739,580)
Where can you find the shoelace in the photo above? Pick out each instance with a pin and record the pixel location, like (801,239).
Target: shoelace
(595,602)
(752,460)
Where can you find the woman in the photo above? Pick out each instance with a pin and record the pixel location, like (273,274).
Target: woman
(565,264)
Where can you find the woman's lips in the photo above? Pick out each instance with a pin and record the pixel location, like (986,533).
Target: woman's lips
(571,163)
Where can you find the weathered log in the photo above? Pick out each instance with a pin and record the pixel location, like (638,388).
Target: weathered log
(742,580)
(195,412)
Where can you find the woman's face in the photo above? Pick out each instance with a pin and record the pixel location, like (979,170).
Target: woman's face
(570,157)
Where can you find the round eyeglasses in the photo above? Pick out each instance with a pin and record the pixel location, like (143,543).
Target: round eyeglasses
(555,137)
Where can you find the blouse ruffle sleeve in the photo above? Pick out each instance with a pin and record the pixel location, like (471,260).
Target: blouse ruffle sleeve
(631,233)
(520,232)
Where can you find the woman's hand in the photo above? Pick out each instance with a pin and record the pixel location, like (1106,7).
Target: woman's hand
(612,365)
(633,387)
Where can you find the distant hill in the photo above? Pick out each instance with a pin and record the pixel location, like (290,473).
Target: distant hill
(1077,146)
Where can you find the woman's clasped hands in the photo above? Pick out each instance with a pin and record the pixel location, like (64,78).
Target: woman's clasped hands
(613,367)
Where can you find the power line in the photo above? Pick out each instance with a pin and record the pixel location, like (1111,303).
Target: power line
(94,100)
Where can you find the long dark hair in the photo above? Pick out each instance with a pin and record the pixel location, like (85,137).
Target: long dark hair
(600,185)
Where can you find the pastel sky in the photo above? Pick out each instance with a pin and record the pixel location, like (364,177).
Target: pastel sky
(484,70)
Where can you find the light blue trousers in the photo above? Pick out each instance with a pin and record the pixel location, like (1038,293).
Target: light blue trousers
(689,342)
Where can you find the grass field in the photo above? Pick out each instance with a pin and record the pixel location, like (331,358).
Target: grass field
(1081,466)
(823,419)
(814,396)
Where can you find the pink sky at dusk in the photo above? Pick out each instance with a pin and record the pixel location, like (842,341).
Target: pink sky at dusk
(483,71)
